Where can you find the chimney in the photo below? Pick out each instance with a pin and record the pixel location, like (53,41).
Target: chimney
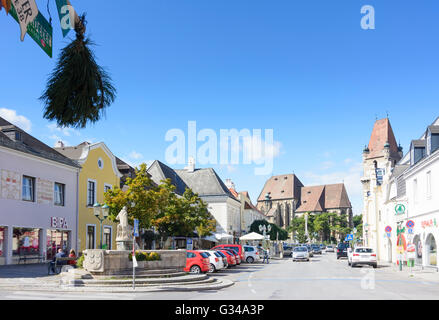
(191,165)
(59,144)
(230,184)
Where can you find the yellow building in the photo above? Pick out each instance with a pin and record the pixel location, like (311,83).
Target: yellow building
(99,172)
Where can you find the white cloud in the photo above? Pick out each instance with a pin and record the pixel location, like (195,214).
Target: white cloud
(135,155)
(20,121)
(65,131)
(350,177)
(57,138)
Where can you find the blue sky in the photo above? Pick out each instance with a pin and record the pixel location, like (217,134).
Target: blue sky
(305,69)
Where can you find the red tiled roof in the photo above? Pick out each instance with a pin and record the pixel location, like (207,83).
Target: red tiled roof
(286,186)
(382,132)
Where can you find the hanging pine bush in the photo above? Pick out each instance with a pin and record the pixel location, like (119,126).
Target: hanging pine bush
(78,90)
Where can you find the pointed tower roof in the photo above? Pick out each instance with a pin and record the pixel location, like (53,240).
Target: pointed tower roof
(382,134)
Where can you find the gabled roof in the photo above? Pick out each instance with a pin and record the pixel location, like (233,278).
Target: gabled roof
(418,143)
(286,186)
(336,196)
(312,199)
(31,145)
(434,129)
(382,132)
(204,182)
(80,153)
(159,172)
(323,198)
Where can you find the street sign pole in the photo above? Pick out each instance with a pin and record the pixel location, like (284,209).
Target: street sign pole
(135,234)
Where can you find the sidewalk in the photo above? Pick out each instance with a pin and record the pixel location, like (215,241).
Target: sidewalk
(417,272)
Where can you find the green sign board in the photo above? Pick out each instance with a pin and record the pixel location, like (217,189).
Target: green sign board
(40,30)
(400,209)
(64,16)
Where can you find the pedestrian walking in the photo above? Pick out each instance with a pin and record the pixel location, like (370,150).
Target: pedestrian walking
(266,256)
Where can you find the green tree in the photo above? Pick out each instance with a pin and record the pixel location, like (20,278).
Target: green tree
(275,233)
(159,206)
(140,198)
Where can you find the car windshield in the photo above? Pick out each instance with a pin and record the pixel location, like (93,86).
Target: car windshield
(204,254)
(221,254)
(300,249)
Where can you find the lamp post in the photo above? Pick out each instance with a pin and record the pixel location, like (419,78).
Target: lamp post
(264,229)
(98,210)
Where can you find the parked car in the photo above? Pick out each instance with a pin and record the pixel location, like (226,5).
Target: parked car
(216,261)
(362,255)
(310,251)
(322,247)
(251,254)
(316,249)
(288,250)
(329,248)
(342,250)
(231,260)
(237,256)
(300,253)
(196,262)
(236,247)
(224,257)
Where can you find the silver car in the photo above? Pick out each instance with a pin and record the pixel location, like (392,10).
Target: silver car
(300,253)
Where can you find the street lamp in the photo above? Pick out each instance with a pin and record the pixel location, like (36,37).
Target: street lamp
(98,210)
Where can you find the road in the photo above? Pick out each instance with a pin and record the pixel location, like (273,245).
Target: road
(324,277)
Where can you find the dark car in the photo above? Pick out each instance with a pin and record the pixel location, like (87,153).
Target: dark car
(316,249)
(310,250)
(288,250)
(342,250)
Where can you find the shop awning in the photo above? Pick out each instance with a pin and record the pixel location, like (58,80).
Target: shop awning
(252,236)
(210,238)
(221,236)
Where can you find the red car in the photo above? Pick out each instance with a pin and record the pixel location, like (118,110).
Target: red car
(196,262)
(231,260)
(236,247)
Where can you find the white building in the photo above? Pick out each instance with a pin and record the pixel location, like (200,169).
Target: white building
(223,206)
(38,198)
(248,212)
(410,192)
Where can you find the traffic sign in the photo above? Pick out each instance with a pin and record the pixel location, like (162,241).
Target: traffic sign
(410,224)
(410,231)
(136,227)
(388,229)
(40,30)
(388,234)
(349,237)
(400,208)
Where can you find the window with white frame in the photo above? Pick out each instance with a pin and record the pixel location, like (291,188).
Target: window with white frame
(428,185)
(415,190)
(91,192)
(28,190)
(59,194)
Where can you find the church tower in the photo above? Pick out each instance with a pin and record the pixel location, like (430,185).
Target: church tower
(379,158)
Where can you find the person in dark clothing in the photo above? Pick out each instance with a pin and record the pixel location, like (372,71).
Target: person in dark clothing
(60,254)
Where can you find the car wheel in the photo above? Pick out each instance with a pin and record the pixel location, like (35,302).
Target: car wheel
(195,269)
(374,266)
(338,257)
(212,268)
(250,260)
(307,259)
(352,265)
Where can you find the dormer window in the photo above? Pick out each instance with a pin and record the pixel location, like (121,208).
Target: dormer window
(14,135)
(417,151)
(432,139)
